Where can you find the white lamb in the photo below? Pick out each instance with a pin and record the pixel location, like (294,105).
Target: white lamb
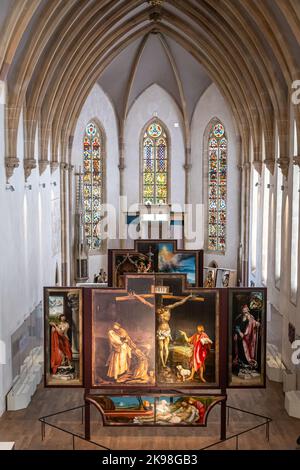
(183,373)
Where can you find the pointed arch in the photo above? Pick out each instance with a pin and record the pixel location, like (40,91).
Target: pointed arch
(155,163)
(94,151)
(215,167)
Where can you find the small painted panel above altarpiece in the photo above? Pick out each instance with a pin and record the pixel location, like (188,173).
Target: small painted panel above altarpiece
(155,256)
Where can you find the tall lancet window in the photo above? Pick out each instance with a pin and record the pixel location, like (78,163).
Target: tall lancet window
(155,164)
(92,183)
(217,187)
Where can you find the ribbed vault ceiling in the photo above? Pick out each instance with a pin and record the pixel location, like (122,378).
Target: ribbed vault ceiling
(154,58)
(53,52)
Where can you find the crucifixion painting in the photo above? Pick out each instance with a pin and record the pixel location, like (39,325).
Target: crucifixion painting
(154,339)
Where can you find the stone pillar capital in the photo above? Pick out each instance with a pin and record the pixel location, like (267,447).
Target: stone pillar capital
(245,166)
(187,166)
(270,165)
(43,166)
(29,165)
(283,163)
(257,164)
(63,166)
(11,163)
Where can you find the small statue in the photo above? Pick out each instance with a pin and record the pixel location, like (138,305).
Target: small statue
(100,278)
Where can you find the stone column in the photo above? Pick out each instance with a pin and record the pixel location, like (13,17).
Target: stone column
(12,115)
(269,150)
(187,199)
(244,226)
(29,141)
(283,134)
(64,227)
(121,167)
(70,223)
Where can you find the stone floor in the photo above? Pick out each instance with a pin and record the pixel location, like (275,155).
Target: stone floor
(24,428)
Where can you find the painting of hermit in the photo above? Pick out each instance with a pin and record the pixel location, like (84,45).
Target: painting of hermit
(63,335)
(209,277)
(181,263)
(247,316)
(123,340)
(187,339)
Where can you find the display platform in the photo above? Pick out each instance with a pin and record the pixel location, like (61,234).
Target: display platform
(85,423)
(157,337)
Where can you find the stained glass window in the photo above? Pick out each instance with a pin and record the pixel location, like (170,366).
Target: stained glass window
(155,165)
(92,184)
(217,187)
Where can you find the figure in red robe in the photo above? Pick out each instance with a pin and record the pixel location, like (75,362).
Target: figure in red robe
(61,352)
(200,407)
(201,347)
(245,340)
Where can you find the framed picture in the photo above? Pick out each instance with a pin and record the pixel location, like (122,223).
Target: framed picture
(154,410)
(155,256)
(129,262)
(180,263)
(123,335)
(153,333)
(187,335)
(247,337)
(225,277)
(128,410)
(209,277)
(184,410)
(63,337)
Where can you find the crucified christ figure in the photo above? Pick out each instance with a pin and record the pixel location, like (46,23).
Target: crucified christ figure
(164,330)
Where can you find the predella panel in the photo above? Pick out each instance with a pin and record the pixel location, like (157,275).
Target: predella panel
(149,410)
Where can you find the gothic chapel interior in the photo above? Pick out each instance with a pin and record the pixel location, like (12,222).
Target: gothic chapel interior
(166,120)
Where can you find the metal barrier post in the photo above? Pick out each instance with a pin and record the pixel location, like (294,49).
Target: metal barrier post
(268,431)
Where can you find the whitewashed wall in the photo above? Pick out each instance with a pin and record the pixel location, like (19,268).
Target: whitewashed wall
(279,294)
(26,257)
(154,100)
(99,107)
(211,105)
